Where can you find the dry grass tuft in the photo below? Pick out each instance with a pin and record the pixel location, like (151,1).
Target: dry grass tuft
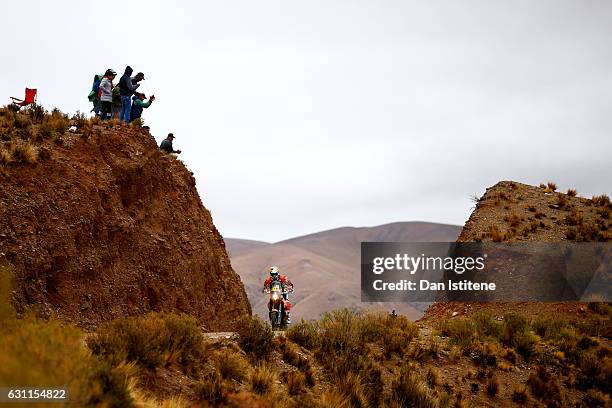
(263,379)
(24,152)
(254,336)
(408,390)
(519,394)
(150,341)
(572,192)
(296,383)
(492,386)
(231,365)
(551,186)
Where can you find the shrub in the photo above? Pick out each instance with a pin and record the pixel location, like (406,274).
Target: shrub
(333,398)
(45,131)
(574,218)
(339,331)
(107,387)
(5,157)
(24,153)
(354,391)
(433,377)
(519,394)
(601,200)
(305,334)
(37,113)
(572,192)
(549,327)
(595,398)
(496,234)
(408,390)
(296,383)
(486,325)
(262,379)
(551,186)
(150,341)
(460,331)
(80,119)
(231,365)
(255,337)
(544,387)
(211,389)
(492,386)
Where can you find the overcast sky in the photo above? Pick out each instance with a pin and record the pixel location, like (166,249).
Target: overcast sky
(302,116)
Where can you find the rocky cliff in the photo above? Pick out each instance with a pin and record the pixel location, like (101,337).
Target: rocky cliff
(102,225)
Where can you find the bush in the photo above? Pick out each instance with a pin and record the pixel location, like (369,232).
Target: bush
(305,334)
(263,379)
(296,383)
(549,327)
(460,331)
(254,336)
(211,389)
(150,341)
(24,153)
(544,387)
(231,365)
(106,387)
(492,386)
(408,390)
(519,395)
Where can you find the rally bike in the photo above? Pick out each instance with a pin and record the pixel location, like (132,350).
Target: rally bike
(278,305)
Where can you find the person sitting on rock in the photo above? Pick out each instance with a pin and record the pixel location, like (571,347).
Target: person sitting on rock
(166,145)
(138,104)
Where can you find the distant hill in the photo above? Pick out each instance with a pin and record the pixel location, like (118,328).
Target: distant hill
(325,266)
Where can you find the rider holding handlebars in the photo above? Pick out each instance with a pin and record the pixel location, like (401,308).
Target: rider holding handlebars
(286,285)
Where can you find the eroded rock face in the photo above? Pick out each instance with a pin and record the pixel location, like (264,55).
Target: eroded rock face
(110,227)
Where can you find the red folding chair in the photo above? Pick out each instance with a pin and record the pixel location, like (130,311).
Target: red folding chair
(30,97)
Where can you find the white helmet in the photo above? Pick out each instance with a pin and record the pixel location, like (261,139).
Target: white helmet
(273,271)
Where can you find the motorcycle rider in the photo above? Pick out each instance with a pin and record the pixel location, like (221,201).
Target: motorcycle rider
(286,285)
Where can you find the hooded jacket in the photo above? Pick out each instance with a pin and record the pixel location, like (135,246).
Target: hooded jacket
(137,106)
(126,86)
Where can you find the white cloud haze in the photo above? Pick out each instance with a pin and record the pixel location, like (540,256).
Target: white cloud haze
(302,116)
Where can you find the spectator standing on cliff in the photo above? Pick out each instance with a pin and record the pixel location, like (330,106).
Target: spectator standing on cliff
(105,94)
(127,88)
(138,104)
(93,95)
(166,145)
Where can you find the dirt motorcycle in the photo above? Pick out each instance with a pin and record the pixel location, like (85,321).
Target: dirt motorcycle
(278,305)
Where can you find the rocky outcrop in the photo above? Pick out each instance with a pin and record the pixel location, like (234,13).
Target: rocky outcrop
(107,226)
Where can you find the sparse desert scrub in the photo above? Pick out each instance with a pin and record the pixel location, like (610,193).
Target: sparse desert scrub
(150,341)
(5,157)
(574,218)
(520,395)
(601,200)
(296,383)
(255,337)
(492,386)
(231,365)
(545,387)
(551,186)
(572,192)
(408,390)
(513,219)
(305,334)
(263,379)
(461,331)
(24,152)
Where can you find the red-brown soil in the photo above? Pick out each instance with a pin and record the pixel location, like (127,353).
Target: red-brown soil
(107,226)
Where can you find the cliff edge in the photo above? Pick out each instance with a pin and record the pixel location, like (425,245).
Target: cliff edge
(99,224)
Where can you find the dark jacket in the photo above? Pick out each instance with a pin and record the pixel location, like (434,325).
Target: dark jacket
(166,146)
(137,106)
(126,86)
